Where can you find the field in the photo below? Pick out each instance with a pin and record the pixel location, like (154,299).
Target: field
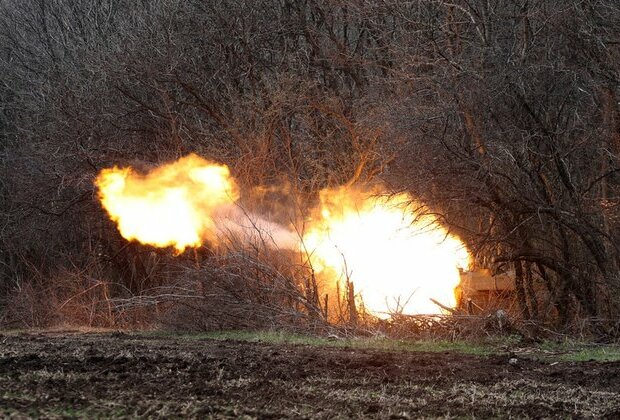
(66,374)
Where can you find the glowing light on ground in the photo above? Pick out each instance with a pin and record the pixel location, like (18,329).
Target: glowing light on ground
(396,258)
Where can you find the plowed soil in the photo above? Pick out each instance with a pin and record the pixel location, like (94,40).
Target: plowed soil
(114,374)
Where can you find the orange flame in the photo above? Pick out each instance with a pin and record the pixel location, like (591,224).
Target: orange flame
(397,258)
(172,205)
(383,245)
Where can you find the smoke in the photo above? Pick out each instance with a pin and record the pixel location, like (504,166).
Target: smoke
(236,223)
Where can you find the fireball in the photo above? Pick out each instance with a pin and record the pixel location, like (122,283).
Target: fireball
(397,257)
(172,205)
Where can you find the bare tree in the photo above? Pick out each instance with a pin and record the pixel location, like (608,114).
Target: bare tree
(502,116)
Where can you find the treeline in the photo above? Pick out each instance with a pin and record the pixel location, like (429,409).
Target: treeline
(502,116)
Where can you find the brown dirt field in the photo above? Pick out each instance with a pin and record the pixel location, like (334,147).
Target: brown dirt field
(115,374)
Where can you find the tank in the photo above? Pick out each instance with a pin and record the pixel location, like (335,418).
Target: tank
(481,290)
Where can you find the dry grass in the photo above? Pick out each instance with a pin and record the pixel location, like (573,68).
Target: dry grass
(269,374)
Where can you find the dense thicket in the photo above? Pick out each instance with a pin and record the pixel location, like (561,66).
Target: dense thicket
(502,116)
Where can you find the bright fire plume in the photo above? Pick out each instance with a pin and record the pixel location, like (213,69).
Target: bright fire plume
(396,258)
(172,205)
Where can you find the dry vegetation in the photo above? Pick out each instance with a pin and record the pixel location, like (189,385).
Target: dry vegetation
(502,116)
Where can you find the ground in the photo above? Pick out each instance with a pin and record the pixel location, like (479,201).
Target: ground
(66,374)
